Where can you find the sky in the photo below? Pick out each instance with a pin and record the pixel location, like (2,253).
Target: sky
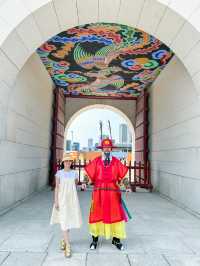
(86,125)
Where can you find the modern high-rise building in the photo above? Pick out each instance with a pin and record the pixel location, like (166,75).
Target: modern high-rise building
(95,146)
(76,146)
(129,137)
(68,145)
(90,144)
(123,134)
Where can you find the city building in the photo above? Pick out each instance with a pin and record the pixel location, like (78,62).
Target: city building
(90,144)
(76,146)
(123,133)
(68,145)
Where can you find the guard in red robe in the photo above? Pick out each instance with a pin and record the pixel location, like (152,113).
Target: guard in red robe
(107,217)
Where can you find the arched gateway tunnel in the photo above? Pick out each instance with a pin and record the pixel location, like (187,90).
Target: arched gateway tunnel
(138,57)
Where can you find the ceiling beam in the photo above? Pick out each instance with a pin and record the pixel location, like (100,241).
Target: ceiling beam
(100,97)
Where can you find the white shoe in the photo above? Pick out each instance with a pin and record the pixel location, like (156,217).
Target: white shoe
(93,245)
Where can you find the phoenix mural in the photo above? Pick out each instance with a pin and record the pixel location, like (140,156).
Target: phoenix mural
(104,59)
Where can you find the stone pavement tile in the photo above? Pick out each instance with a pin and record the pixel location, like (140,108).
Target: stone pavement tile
(81,239)
(165,245)
(24,259)
(166,230)
(19,214)
(139,228)
(59,260)
(162,212)
(180,223)
(34,226)
(190,232)
(77,246)
(79,242)
(162,227)
(3,256)
(147,260)
(27,242)
(132,244)
(53,246)
(4,235)
(183,260)
(189,223)
(106,259)
(105,246)
(7,224)
(81,245)
(193,243)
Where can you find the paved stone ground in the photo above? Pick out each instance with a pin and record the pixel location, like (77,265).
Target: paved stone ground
(159,234)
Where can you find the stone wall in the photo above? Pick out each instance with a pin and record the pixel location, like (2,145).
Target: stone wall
(25,126)
(175,136)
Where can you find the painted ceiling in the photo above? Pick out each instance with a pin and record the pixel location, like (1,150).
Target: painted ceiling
(104,59)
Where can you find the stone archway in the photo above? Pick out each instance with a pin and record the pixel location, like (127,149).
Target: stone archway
(175,23)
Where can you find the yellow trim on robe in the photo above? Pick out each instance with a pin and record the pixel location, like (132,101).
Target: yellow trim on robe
(108,230)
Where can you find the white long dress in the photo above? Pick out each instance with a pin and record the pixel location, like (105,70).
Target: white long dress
(69,213)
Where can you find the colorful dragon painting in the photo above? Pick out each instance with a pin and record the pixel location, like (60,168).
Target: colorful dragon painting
(104,59)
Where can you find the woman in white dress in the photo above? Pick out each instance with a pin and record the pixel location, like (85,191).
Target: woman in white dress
(66,209)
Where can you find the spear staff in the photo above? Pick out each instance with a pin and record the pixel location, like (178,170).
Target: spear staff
(109,126)
(101,127)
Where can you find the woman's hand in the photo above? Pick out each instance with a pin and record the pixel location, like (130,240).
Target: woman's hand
(56,205)
(128,190)
(83,186)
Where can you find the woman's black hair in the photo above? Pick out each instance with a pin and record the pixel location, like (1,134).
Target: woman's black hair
(62,165)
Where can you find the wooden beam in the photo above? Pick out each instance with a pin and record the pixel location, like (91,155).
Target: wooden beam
(100,97)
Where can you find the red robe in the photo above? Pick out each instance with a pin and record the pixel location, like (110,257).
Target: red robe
(106,204)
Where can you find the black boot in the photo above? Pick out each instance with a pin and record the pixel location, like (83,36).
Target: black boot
(94,243)
(117,243)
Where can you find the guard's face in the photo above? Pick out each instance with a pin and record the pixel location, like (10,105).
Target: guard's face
(107,149)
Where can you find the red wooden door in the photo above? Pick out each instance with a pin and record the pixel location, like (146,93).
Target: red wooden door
(58,128)
(141,140)
(141,129)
